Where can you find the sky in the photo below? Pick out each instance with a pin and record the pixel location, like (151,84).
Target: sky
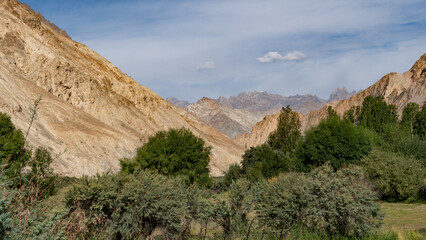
(194,48)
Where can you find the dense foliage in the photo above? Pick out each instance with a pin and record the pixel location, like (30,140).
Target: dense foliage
(127,206)
(172,153)
(264,162)
(395,177)
(375,113)
(336,141)
(287,134)
(341,203)
(13,154)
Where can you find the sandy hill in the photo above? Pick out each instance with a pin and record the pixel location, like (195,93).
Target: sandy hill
(89,107)
(398,89)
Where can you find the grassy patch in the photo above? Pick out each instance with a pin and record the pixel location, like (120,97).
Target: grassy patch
(402,217)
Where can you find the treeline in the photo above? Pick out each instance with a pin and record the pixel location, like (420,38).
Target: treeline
(392,152)
(325,185)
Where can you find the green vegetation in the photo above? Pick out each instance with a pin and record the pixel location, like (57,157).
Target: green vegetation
(396,177)
(336,141)
(264,162)
(375,113)
(287,134)
(326,185)
(172,153)
(324,201)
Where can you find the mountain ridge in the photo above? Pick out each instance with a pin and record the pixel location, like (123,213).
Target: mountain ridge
(73,74)
(398,89)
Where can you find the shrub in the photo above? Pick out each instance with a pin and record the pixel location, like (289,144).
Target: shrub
(41,176)
(171,153)
(264,162)
(337,203)
(396,177)
(233,174)
(336,141)
(231,212)
(120,206)
(13,155)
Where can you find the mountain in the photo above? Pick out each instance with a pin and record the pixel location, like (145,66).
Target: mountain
(89,107)
(263,101)
(237,115)
(177,102)
(232,122)
(340,94)
(398,89)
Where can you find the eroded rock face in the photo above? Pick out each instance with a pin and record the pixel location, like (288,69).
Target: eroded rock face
(89,107)
(398,89)
(232,122)
(263,101)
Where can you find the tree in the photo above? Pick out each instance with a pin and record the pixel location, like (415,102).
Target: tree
(353,115)
(396,177)
(409,116)
(375,113)
(420,123)
(264,162)
(13,154)
(287,134)
(337,203)
(336,141)
(171,153)
(41,177)
(233,174)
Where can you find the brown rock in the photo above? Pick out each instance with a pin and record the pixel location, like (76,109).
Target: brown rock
(89,107)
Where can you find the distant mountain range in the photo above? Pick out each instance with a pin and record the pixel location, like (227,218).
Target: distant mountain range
(396,88)
(236,115)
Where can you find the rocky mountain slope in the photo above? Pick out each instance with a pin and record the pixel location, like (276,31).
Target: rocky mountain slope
(232,122)
(398,89)
(263,101)
(89,107)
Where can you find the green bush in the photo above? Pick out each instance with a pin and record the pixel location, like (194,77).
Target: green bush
(264,162)
(233,174)
(127,206)
(395,176)
(397,138)
(13,154)
(231,212)
(171,153)
(324,201)
(336,141)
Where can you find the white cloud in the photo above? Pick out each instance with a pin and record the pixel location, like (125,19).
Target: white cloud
(208,65)
(274,57)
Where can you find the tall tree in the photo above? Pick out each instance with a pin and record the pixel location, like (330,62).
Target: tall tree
(376,113)
(287,134)
(409,116)
(420,123)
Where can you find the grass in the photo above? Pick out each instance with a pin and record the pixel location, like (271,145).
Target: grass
(402,216)
(408,221)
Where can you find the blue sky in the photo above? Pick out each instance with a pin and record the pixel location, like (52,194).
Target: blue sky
(190,49)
